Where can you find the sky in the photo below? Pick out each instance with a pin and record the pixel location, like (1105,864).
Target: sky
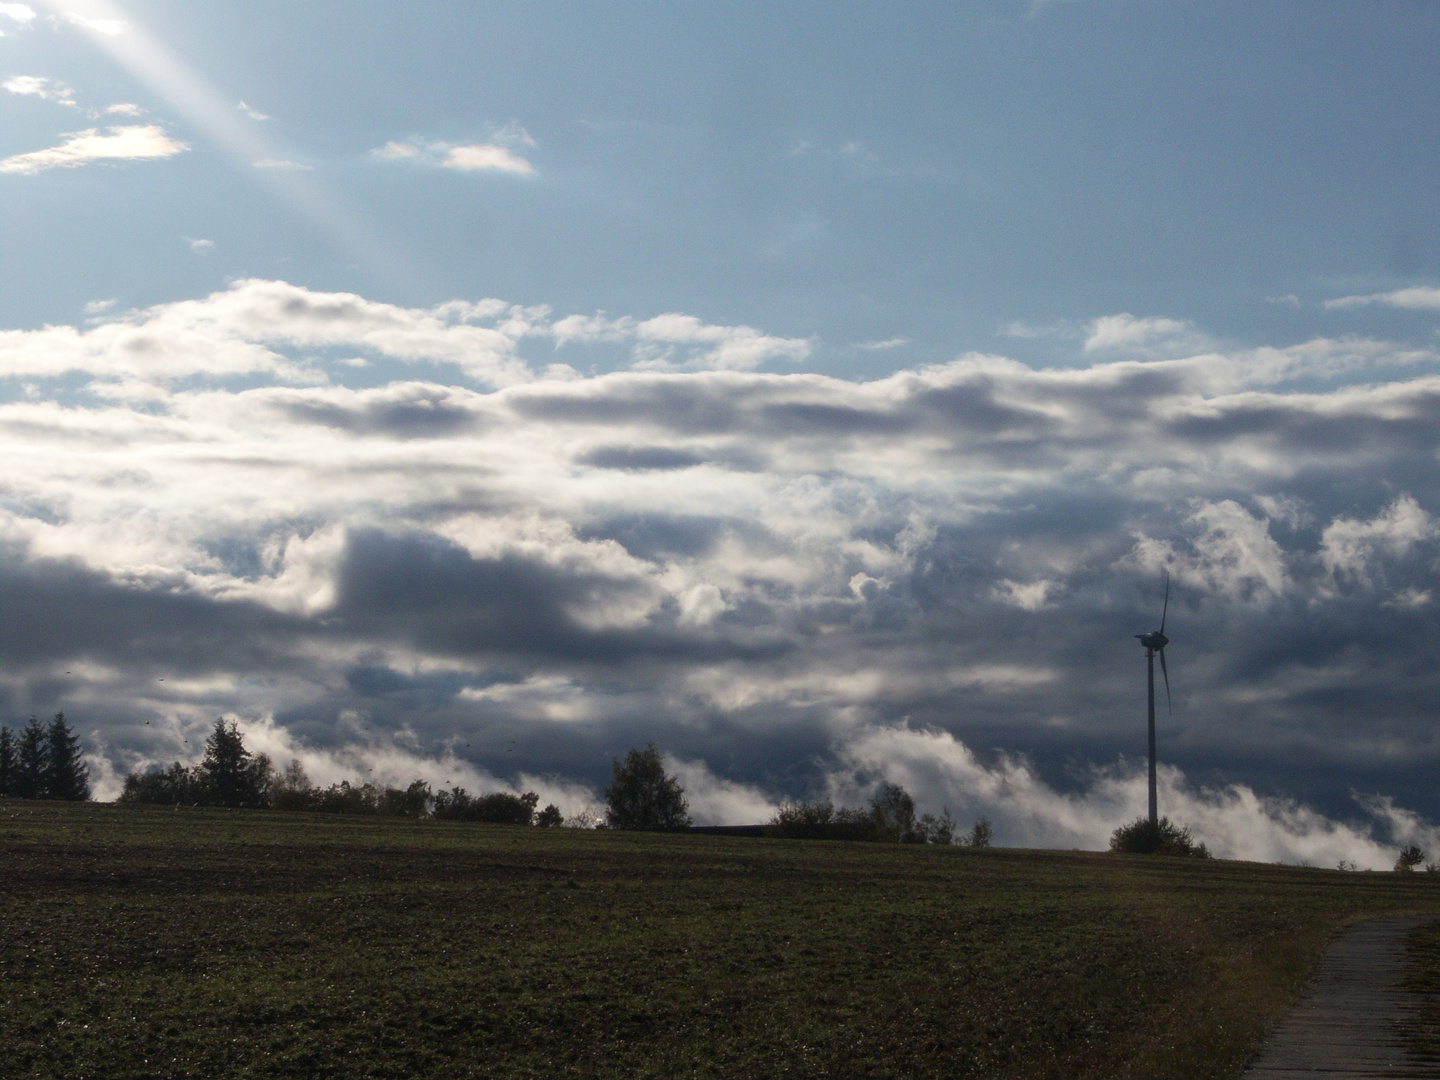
(822,392)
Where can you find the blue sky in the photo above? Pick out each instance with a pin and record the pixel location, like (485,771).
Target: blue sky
(815,389)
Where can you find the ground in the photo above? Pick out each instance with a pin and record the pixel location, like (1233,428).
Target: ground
(149,942)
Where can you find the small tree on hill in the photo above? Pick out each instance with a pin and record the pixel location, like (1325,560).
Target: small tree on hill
(981,833)
(30,762)
(894,812)
(9,765)
(550,817)
(65,776)
(1410,857)
(641,796)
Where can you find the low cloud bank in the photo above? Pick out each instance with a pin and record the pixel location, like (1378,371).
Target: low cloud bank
(939,770)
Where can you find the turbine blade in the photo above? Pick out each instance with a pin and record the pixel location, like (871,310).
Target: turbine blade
(1166,609)
(1166,672)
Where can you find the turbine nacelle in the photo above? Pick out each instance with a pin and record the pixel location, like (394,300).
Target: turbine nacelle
(1155,641)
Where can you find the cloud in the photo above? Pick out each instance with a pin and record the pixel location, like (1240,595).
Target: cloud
(1351,547)
(1124,330)
(881,346)
(1418,298)
(133,143)
(281,163)
(253,114)
(98,307)
(200,246)
(20,13)
(794,583)
(486,157)
(43,88)
(108,27)
(1233,820)
(124,108)
(496,155)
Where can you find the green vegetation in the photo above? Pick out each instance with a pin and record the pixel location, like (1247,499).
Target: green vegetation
(43,763)
(1163,837)
(642,796)
(890,818)
(142,941)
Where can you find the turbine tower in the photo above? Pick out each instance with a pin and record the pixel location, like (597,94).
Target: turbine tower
(1155,642)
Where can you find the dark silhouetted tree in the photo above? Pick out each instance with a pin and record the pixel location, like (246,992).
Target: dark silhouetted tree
(1411,856)
(641,796)
(9,764)
(292,789)
(980,834)
(232,776)
(30,762)
(175,786)
(65,776)
(550,817)
(497,808)
(894,813)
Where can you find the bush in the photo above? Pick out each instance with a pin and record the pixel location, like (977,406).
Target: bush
(641,796)
(890,817)
(1410,857)
(1162,838)
(550,817)
(500,808)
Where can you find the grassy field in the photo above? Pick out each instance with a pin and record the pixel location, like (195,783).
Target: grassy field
(148,942)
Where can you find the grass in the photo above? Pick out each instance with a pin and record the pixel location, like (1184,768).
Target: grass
(150,942)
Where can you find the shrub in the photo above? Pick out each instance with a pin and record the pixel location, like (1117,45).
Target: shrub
(1164,837)
(550,817)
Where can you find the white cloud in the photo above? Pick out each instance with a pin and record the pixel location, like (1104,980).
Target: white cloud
(1029,596)
(881,346)
(1231,554)
(134,143)
(200,246)
(124,108)
(1124,330)
(487,157)
(108,27)
(281,163)
(494,156)
(1418,298)
(98,307)
(41,87)
(20,13)
(1351,547)
(253,114)
(737,348)
(1233,821)
(396,151)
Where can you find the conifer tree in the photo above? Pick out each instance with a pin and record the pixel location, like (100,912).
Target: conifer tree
(30,762)
(232,775)
(65,776)
(8,763)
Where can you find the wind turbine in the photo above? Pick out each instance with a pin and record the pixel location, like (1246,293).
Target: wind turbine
(1155,642)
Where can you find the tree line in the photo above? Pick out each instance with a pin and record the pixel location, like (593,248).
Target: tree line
(43,762)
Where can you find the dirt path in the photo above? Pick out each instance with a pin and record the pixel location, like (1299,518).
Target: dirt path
(1345,1026)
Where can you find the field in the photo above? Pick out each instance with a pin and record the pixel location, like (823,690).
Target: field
(148,942)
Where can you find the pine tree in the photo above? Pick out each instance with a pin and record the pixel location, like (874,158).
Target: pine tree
(232,776)
(66,776)
(8,764)
(30,762)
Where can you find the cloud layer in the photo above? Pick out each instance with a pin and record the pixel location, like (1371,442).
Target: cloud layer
(424,540)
